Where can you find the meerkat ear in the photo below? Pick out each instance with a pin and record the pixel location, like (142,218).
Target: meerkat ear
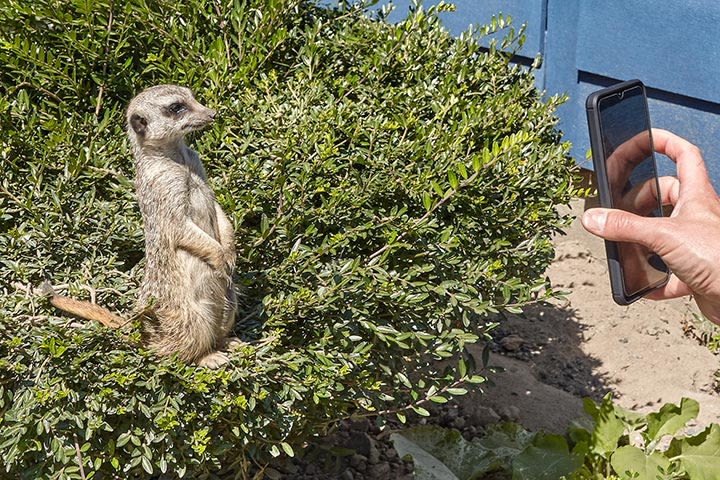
(138,124)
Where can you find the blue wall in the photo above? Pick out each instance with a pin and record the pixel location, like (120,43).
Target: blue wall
(673,47)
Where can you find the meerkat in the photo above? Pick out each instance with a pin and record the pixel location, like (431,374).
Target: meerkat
(189,242)
(187,295)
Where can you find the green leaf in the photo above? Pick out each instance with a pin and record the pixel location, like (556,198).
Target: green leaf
(628,460)
(700,455)
(427,201)
(274,451)
(608,427)
(441,454)
(671,418)
(288,449)
(457,391)
(426,466)
(403,379)
(421,411)
(401,417)
(548,458)
(146,465)
(452,178)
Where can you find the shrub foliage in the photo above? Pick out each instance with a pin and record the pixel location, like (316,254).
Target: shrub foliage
(391,186)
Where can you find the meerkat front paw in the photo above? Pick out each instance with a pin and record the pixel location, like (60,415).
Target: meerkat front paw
(231,343)
(217,261)
(229,259)
(213,360)
(223,261)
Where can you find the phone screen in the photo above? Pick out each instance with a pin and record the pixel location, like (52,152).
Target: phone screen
(632,179)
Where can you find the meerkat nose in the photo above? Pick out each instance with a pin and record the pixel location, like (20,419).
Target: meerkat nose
(211,114)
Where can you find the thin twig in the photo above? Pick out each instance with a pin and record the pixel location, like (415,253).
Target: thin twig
(15,199)
(40,89)
(91,291)
(427,215)
(98,102)
(78,457)
(224,31)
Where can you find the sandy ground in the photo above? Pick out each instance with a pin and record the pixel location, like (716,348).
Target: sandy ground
(588,346)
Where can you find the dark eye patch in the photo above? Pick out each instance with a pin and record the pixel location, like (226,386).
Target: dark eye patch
(176,108)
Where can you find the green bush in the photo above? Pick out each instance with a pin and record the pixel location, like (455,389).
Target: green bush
(390,187)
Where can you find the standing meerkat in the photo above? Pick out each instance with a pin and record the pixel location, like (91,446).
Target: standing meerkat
(187,297)
(189,242)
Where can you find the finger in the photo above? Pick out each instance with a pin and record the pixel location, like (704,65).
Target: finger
(674,288)
(620,226)
(669,190)
(635,150)
(643,198)
(626,157)
(690,165)
(710,309)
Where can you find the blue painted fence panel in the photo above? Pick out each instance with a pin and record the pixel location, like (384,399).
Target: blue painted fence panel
(673,46)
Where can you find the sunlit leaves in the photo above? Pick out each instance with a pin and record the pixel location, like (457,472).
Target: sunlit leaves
(391,187)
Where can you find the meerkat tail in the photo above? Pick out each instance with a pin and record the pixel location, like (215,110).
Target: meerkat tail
(82,309)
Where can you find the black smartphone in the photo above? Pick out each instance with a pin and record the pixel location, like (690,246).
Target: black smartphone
(626,172)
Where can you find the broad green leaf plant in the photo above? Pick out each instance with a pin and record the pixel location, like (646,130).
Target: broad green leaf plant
(618,445)
(391,187)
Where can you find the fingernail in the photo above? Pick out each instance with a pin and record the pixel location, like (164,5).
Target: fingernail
(594,220)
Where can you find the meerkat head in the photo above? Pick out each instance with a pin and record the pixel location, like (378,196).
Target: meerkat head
(164,114)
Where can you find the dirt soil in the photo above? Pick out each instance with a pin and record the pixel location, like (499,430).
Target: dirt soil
(588,346)
(553,356)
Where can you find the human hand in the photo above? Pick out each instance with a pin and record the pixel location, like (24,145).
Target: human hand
(689,240)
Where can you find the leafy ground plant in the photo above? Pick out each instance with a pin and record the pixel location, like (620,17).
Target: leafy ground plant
(619,445)
(390,185)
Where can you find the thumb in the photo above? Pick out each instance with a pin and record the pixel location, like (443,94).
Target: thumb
(619,225)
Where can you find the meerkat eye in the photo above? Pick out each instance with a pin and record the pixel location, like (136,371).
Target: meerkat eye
(177,107)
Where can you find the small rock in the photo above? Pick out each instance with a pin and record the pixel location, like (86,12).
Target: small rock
(459,423)
(381,470)
(290,469)
(272,474)
(347,475)
(360,426)
(511,413)
(484,416)
(357,459)
(512,343)
(449,416)
(374,456)
(360,442)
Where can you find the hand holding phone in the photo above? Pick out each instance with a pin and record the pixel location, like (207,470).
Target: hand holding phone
(624,161)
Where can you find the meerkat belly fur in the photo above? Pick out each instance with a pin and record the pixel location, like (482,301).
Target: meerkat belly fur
(187,287)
